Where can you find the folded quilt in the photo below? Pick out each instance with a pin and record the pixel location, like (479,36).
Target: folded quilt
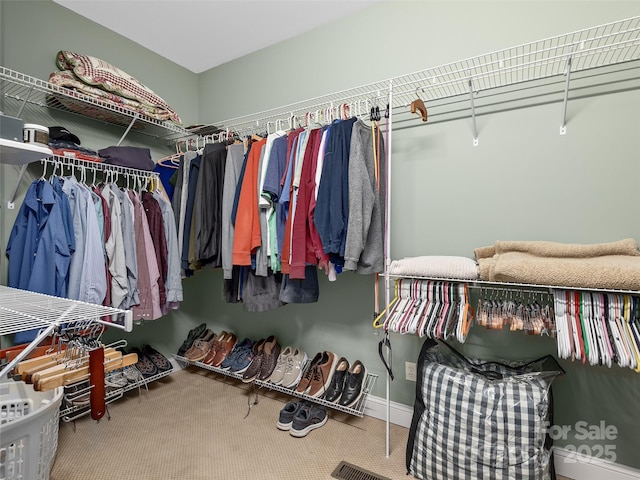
(92,76)
(437,266)
(68,81)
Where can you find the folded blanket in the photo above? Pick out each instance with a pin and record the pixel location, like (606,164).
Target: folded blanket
(607,271)
(437,266)
(67,80)
(98,73)
(570,250)
(484,252)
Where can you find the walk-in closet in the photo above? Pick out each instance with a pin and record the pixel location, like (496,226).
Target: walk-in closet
(390,239)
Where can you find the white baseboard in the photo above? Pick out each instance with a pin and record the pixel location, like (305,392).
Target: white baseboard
(593,468)
(399,413)
(565,460)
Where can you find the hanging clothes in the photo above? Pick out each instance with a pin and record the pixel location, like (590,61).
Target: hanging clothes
(188,241)
(302,251)
(364,243)
(115,248)
(332,206)
(87,281)
(233,167)
(159,240)
(173,282)
(246,239)
(208,206)
(38,248)
(132,296)
(148,308)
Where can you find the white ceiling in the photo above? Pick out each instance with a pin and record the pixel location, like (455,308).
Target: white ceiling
(201,34)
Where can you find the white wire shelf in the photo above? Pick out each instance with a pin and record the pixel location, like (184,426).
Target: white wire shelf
(23,91)
(357,409)
(22,310)
(603,45)
(534,287)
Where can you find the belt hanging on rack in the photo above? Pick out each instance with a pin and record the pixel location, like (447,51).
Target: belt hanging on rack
(385,342)
(96,382)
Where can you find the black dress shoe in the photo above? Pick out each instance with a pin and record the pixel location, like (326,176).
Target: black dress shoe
(352,390)
(193,334)
(337,381)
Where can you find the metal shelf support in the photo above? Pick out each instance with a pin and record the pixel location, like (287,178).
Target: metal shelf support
(563,127)
(473,113)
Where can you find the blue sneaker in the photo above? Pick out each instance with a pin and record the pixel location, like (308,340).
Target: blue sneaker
(243,359)
(239,347)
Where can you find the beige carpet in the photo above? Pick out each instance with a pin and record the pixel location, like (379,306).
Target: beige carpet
(191,426)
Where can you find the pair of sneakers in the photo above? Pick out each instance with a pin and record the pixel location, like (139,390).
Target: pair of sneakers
(289,367)
(240,357)
(301,417)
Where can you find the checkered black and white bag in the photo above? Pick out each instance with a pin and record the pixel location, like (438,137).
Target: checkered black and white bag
(476,420)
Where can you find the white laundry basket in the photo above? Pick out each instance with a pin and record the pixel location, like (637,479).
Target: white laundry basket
(28,431)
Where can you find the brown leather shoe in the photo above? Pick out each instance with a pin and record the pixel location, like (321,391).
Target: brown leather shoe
(253,370)
(270,356)
(322,375)
(303,384)
(224,347)
(215,346)
(200,347)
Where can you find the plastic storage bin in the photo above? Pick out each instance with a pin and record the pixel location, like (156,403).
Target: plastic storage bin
(28,431)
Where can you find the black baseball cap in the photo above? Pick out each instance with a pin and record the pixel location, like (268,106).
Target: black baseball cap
(61,133)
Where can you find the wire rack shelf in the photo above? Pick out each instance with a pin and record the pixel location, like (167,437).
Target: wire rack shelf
(21,91)
(23,310)
(603,45)
(357,409)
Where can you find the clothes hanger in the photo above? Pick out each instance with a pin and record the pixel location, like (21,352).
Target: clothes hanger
(76,375)
(418,106)
(44,168)
(173,160)
(72,364)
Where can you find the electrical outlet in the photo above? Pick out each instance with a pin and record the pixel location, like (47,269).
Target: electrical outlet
(410,371)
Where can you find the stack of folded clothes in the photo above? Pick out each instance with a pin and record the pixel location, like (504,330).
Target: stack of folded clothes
(108,85)
(65,144)
(613,265)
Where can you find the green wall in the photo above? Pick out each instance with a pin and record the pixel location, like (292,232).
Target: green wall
(31,33)
(523,182)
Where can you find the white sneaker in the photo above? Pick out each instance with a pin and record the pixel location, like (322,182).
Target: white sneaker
(278,373)
(294,368)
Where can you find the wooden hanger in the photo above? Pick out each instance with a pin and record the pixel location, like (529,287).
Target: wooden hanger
(72,376)
(418,106)
(73,364)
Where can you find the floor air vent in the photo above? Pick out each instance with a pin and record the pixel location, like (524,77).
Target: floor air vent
(347,471)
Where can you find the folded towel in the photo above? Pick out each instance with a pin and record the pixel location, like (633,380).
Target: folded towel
(607,272)
(486,268)
(437,266)
(569,250)
(485,252)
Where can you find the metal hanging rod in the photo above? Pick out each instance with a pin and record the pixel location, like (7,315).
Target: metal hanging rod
(98,166)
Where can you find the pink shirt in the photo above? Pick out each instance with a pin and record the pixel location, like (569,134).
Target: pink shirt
(148,271)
